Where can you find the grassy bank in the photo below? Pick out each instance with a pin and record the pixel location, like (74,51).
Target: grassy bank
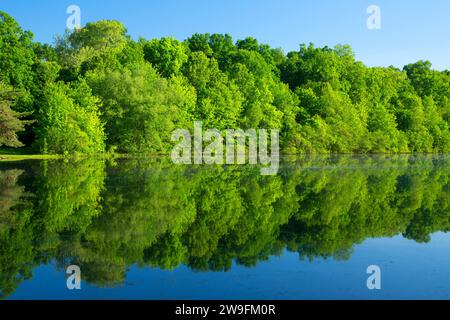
(27,157)
(10,154)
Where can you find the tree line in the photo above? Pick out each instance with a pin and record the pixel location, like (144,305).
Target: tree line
(97,90)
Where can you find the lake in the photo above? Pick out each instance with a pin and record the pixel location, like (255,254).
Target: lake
(145,228)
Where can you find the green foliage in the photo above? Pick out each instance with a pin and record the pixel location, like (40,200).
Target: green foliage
(219,101)
(167,55)
(10,123)
(140,108)
(17,59)
(16,53)
(68,121)
(347,107)
(321,99)
(100,45)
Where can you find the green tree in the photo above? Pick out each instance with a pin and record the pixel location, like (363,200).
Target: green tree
(140,108)
(167,55)
(16,53)
(219,101)
(10,121)
(68,121)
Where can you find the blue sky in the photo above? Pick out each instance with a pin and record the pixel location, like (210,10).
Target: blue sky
(410,29)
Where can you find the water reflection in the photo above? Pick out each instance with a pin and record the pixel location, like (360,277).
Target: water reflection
(107,216)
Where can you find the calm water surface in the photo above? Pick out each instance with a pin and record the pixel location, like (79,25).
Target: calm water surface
(148,229)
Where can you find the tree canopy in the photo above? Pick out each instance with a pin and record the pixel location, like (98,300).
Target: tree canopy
(98,89)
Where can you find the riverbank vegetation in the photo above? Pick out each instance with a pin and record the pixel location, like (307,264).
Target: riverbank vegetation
(97,90)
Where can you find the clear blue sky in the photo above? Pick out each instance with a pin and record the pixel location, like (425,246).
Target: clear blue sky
(411,29)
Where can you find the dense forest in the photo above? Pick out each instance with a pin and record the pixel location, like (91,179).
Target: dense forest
(97,90)
(106,216)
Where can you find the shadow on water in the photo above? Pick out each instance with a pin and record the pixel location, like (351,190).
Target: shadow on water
(107,216)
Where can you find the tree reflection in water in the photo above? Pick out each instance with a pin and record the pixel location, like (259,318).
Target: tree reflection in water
(107,216)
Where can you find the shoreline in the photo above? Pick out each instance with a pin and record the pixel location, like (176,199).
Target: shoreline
(17,157)
(21,157)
